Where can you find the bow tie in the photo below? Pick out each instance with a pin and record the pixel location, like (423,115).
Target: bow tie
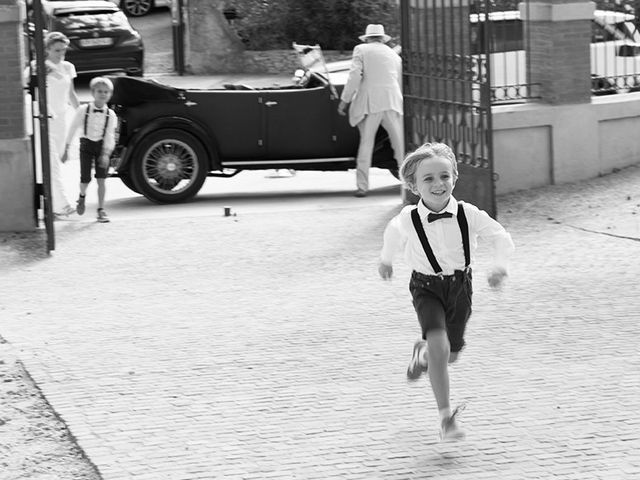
(432,217)
(98,110)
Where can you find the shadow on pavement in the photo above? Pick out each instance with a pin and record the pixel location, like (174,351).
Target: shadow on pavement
(22,248)
(293,195)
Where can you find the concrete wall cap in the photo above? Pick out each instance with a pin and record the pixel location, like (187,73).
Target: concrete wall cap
(11,13)
(542,11)
(420,4)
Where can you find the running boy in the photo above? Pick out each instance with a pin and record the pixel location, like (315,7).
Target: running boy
(439,237)
(97,141)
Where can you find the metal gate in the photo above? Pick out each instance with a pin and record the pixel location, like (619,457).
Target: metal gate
(446,86)
(40,136)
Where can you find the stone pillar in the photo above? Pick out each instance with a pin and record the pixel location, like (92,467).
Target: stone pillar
(16,164)
(560,37)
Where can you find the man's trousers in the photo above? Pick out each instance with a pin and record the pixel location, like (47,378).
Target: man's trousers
(392,122)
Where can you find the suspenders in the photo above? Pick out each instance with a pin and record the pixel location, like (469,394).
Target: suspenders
(464,230)
(106,120)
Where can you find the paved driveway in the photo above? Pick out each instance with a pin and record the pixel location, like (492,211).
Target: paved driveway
(264,345)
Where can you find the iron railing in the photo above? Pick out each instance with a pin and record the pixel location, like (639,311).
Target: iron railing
(501,26)
(615,49)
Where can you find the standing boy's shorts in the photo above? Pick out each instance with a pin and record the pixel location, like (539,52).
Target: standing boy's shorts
(443,302)
(89,155)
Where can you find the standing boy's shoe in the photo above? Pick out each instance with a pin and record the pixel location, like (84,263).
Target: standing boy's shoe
(80,205)
(102,216)
(360,194)
(450,430)
(417,365)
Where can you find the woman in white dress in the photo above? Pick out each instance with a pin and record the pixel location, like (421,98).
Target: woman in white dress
(60,94)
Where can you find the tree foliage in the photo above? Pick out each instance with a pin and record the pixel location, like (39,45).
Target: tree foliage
(334,24)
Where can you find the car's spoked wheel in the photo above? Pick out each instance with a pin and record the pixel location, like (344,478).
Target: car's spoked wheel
(136,8)
(169,166)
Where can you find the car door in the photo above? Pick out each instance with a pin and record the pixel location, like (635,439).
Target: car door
(299,123)
(235,118)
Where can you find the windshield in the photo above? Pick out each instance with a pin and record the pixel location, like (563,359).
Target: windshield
(79,20)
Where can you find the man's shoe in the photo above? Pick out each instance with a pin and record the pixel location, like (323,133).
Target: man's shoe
(450,430)
(416,365)
(360,194)
(80,205)
(102,216)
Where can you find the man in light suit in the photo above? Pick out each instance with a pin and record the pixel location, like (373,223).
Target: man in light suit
(374,95)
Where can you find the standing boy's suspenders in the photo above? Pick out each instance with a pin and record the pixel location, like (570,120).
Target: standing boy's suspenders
(106,120)
(464,230)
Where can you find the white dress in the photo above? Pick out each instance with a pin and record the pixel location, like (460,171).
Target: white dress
(59,81)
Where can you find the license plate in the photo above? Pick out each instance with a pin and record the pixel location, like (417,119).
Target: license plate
(96,42)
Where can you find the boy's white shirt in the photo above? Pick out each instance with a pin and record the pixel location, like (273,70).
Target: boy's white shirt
(445,238)
(95,126)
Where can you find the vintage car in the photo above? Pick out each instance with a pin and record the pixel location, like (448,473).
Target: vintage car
(171,139)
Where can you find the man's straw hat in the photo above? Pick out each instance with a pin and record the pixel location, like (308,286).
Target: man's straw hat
(375,30)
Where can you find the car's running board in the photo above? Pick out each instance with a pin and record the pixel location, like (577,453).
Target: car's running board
(224,174)
(257,163)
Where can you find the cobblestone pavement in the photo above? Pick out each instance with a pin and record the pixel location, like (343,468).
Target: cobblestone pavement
(265,346)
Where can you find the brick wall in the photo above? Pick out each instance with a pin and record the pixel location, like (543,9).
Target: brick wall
(16,164)
(559,51)
(11,92)
(560,37)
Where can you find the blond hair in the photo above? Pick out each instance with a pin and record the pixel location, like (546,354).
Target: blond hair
(104,81)
(55,37)
(427,150)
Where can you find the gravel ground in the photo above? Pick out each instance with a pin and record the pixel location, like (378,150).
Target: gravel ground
(34,443)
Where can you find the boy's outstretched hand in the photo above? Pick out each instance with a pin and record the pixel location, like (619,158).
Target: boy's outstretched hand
(385,271)
(496,277)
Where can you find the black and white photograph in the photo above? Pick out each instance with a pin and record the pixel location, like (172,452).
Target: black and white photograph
(319,239)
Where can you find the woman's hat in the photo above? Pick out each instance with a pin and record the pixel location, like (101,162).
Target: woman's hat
(375,30)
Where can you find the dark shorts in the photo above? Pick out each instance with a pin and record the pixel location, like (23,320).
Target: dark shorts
(89,154)
(443,302)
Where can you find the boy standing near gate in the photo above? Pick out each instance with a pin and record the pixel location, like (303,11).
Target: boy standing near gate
(439,237)
(97,141)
